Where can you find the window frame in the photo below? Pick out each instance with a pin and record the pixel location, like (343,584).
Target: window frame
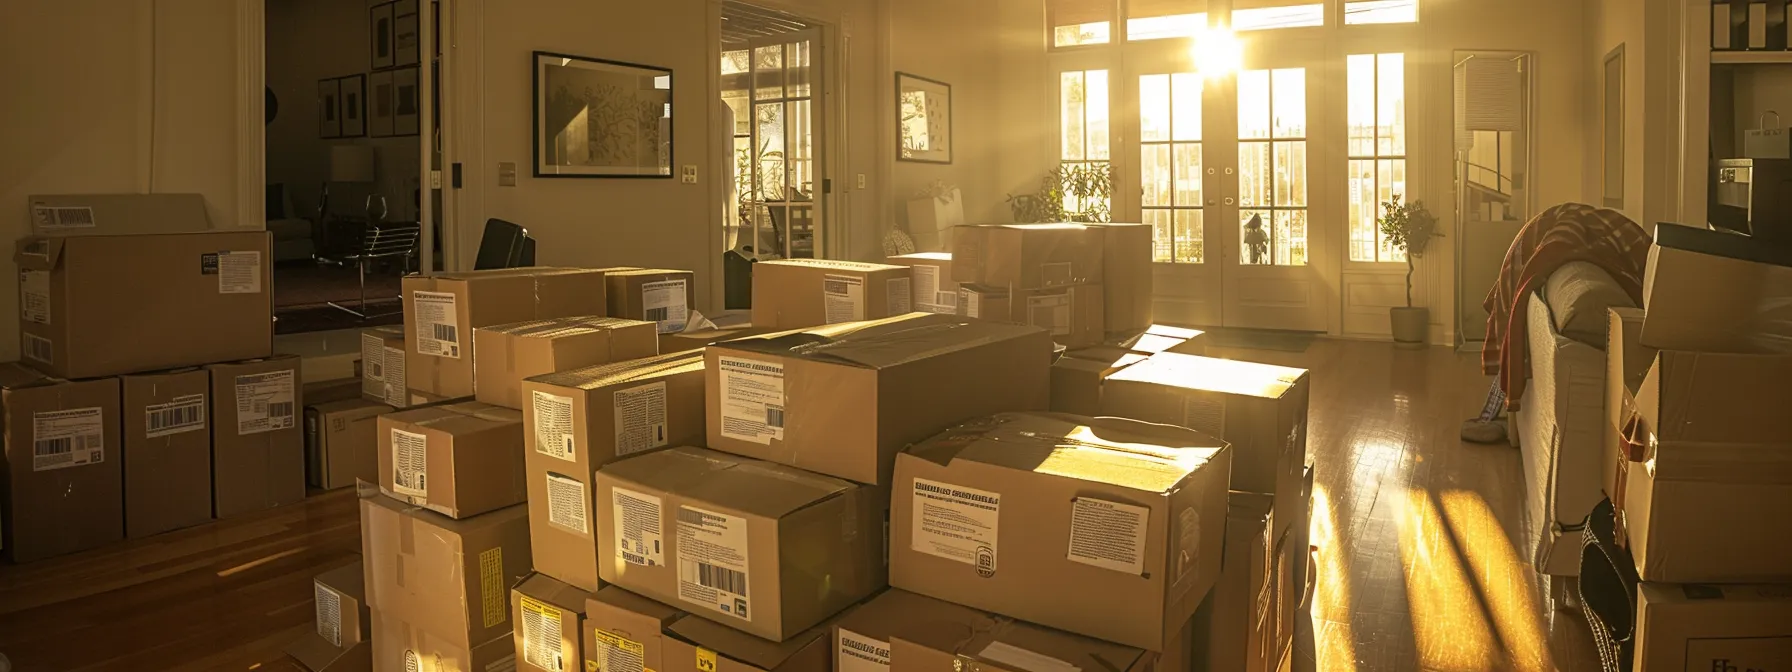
(1170,142)
(1377,157)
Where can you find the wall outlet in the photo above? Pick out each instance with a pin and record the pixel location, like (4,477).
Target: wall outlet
(861,180)
(507,173)
(690,174)
(435,179)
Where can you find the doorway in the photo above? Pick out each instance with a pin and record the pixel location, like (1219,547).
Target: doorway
(1492,166)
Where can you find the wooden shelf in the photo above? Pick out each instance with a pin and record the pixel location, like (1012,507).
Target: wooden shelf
(1750,57)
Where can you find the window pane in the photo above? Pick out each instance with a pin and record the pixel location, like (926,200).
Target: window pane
(1390,180)
(1160,27)
(1185,89)
(1291,174)
(1360,76)
(1290,98)
(1253,104)
(1265,18)
(797,69)
(734,62)
(1254,182)
(1154,175)
(769,61)
(1363,210)
(1070,94)
(1381,11)
(1254,230)
(1190,237)
(1291,237)
(770,118)
(1163,240)
(1188,175)
(1086,33)
(1154,108)
(1390,109)
(1097,114)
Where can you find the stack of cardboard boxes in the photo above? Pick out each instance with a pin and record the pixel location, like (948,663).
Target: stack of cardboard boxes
(148,397)
(1698,470)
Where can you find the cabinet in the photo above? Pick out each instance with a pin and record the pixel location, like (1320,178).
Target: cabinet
(1722,93)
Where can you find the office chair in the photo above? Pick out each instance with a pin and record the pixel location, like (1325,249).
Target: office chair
(504,245)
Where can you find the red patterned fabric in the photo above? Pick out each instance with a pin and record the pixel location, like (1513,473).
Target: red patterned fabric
(1564,233)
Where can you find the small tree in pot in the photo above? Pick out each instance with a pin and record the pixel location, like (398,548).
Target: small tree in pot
(1409,227)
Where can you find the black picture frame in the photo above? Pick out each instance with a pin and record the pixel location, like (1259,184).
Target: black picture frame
(352,94)
(380,45)
(558,162)
(407,97)
(329,108)
(407,38)
(381,104)
(941,92)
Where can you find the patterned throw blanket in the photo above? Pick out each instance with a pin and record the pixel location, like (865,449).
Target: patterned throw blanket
(1564,233)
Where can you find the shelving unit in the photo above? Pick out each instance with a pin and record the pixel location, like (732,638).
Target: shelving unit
(1713,84)
(1751,57)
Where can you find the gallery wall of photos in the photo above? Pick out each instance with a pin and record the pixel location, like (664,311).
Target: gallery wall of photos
(384,101)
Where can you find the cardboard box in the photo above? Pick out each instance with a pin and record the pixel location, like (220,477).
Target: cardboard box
(1126,276)
(698,645)
(342,443)
(1286,598)
(1712,499)
(116,214)
(382,366)
(664,297)
(334,389)
(441,312)
(576,422)
(63,488)
(503,355)
(802,293)
(258,447)
(982,515)
(696,340)
(1300,536)
(914,633)
(550,619)
(932,218)
(842,400)
(459,460)
(1165,338)
(985,302)
(167,451)
(449,578)
(1258,408)
(342,640)
(1028,256)
(401,645)
(759,547)
(1627,361)
(313,655)
(1077,377)
(1071,314)
(92,306)
(1713,627)
(622,625)
(1235,627)
(931,279)
(1711,291)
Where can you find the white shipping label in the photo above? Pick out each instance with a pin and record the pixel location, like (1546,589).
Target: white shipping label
(1110,535)
(553,425)
(40,349)
(899,298)
(712,560)
(617,654)
(638,527)
(394,377)
(34,296)
(1050,312)
(664,302)
(264,402)
(972,302)
(566,503)
(927,283)
(186,413)
(842,298)
(956,523)
(438,327)
(68,438)
(1020,659)
(329,613)
(858,653)
(410,463)
(640,418)
(1205,413)
(541,635)
(373,366)
(239,272)
(48,217)
(752,399)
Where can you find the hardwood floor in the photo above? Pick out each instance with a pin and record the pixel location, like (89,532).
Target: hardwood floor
(1420,564)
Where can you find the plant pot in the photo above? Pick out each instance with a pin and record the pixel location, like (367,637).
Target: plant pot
(1412,326)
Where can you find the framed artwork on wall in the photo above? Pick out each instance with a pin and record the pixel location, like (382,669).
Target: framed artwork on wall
(382,103)
(405,112)
(600,118)
(379,33)
(352,92)
(1612,119)
(923,119)
(329,108)
(406,41)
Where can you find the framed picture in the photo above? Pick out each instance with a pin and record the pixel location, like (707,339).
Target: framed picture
(382,103)
(1613,122)
(406,41)
(405,113)
(923,119)
(599,118)
(379,32)
(352,92)
(329,108)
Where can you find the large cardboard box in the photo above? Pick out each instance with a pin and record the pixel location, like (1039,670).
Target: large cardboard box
(342,639)
(334,389)
(441,312)
(1165,338)
(1126,276)
(167,451)
(578,421)
(92,306)
(993,303)
(400,645)
(623,626)
(116,214)
(663,297)
(1028,256)
(801,293)
(459,460)
(1716,628)
(258,447)
(906,632)
(503,355)
(550,619)
(1071,314)
(1258,408)
(1711,499)
(759,547)
(342,443)
(445,577)
(1712,291)
(696,340)
(863,635)
(63,485)
(1077,377)
(382,366)
(1122,519)
(1235,627)
(698,645)
(1627,361)
(934,290)
(932,218)
(842,400)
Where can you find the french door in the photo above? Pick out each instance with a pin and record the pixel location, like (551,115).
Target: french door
(783,187)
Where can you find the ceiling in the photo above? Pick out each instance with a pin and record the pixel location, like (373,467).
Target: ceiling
(742,22)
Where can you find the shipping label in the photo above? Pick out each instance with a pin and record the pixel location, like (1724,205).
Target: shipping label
(752,399)
(438,325)
(329,613)
(71,438)
(926,285)
(264,402)
(493,594)
(410,463)
(1110,535)
(40,349)
(52,218)
(618,654)
(541,635)
(566,503)
(664,302)
(640,418)
(973,302)
(898,296)
(185,413)
(637,521)
(1050,312)
(373,366)
(34,296)
(239,272)
(858,653)
(553,425)
(842,298)
(394,377)
(956,523)
(712,561)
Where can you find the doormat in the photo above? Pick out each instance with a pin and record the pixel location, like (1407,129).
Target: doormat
(1260,339)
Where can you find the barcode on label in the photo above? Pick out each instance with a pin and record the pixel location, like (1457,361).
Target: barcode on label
(280,409)
(62,446)
(64,217)
(173,417)
(834,287)
(656,314)
(689,516)
(39,348)
(445,332)
(774,416)
(719,578)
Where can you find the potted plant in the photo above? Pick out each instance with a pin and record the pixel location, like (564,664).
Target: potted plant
(1087,185)
(1409,227)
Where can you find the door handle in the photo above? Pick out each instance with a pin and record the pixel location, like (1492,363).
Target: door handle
(1228,200)
(1228,170)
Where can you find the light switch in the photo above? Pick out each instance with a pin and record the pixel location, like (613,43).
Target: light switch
(861,180)
(690,174)
(507,173)
(435,179)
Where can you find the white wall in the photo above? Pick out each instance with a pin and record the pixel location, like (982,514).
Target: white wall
(951,41)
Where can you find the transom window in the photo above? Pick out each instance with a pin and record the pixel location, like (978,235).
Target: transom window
(1377,149)
(1272,167)
(1170,165)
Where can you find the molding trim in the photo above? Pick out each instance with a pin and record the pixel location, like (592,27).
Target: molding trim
(251,120)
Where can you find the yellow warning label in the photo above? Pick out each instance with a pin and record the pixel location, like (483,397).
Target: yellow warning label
(624,643)
(531,604)
(706,660)
(491,586)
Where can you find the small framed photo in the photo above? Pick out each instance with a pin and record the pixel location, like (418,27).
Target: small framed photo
(406,40)
(600,118)
(382,104)
(352,92)
(406,115)
(379,32)
(923,119)
(329,108)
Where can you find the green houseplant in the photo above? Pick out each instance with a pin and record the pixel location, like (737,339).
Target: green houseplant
(1087,185)
(1409,227)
